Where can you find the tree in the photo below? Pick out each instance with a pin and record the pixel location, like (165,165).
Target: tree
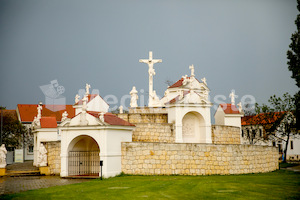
(14,134)
(293,56)
(281,113)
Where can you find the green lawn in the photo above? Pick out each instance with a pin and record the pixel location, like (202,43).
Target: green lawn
(281,184)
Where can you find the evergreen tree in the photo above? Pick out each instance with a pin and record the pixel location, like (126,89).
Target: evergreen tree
(293,55)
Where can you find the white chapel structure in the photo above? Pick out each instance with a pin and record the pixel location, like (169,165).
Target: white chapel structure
(144,140)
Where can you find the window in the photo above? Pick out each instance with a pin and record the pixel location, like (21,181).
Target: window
(242,133)
(260,133)
(292,144)
(30,149)
(248,133)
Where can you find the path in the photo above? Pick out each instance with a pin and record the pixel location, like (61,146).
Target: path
(10,185)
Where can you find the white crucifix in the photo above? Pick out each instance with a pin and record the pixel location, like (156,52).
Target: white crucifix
(151,72)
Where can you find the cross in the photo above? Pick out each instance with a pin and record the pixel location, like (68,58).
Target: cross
(192,70)
(151,72)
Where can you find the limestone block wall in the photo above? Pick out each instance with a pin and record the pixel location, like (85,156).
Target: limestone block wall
(150,127)
(148,132)
(225,134)
(53,149)
(196,159)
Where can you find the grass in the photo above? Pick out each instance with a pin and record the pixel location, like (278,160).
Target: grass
(281,184)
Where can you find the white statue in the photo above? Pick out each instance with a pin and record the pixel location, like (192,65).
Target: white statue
(240,107)
(3,153)
(155,100)
(101,117)
(185,80)
(204,80)
(134,97)
(39,109)
(121,109)
(36,122)
(42,156)
(64,116)
(151,73)
(192,70)
(232,96)
(87,88)
(77,98)
(84,102)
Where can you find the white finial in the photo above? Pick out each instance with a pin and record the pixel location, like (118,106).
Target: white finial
(204,80)
(64,116)
(232,96)
(77,98)
(240,107)
(87,88)
(151,72)
(134,97)
(192,70)
(121,109)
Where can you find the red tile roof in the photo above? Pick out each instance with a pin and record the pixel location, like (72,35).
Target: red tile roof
(262,118)
(177,97)
(111,119)
(229,108)
(29,111)
(90,97)
(12,113)
(179,83)
(48,122)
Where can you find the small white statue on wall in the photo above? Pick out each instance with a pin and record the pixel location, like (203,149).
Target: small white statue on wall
(121,109)
(77,98)
(39,109)
(42,156)
(87,88)
(134,97)
(240,107)
(3,153)
(64,116)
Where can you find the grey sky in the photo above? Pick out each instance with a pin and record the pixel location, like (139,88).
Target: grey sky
(235,44)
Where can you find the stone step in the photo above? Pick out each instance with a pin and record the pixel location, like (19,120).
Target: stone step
(23,173)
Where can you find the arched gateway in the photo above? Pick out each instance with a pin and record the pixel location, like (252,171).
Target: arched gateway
(90,137)
(83,157)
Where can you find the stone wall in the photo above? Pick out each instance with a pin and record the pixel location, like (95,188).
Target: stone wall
(196,159)
(225,134)
(150,127)
(53,149)
(148,132)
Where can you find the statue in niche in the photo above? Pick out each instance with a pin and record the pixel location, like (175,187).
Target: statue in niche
(42,156)
(134,97)
(3,153)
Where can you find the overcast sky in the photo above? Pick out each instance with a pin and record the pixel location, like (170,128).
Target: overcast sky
(235,44)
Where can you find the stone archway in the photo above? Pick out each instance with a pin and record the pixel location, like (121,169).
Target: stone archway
(83,157)
(193,128)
